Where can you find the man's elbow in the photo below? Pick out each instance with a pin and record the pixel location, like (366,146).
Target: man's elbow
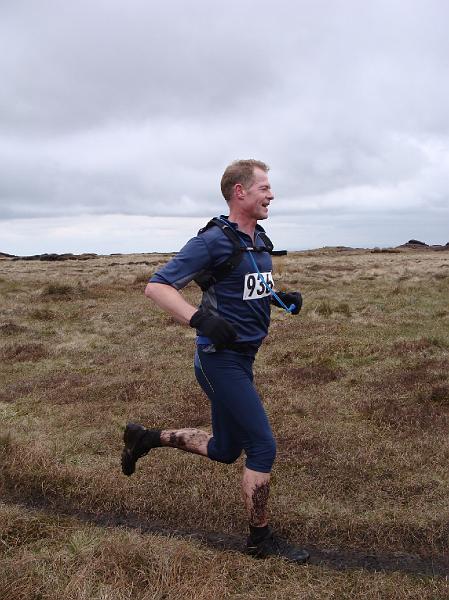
(154,290)
(149,290)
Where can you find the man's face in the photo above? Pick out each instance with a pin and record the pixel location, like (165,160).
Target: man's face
(258,196)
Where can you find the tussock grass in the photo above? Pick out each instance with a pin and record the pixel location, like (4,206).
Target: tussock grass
(10,329)
(42,314)
(57,290)
(53,558)
(32,351)
(357,392)
(141,278)
(5,442)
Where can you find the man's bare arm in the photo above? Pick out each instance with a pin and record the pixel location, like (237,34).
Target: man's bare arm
(169,299)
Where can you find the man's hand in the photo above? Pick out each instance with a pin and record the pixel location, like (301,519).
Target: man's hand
(217,329)
(289,298)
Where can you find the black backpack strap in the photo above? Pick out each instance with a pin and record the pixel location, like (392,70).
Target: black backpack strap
(266,240)
(229,231)
(209,277)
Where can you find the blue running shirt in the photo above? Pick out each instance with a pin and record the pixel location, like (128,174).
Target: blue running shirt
(240,298)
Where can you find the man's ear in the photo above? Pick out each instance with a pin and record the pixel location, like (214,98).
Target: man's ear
(239,191)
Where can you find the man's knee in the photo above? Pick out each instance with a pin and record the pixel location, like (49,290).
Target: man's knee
(223,455)
(261,455)
(229,458)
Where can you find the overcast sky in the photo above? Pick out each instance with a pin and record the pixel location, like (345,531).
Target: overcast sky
(117,120)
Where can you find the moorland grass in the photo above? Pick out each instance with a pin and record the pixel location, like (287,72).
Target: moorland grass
(357,392)
(59,557)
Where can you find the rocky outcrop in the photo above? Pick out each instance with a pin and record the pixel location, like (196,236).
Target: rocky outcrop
(57,257)
(438,247)
(417,245)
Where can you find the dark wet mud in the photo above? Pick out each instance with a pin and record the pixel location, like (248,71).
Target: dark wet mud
(339,559)
(259,502)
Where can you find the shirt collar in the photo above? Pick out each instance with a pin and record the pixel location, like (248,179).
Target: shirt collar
(236,226)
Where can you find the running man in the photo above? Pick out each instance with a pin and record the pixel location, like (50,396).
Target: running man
(231,323)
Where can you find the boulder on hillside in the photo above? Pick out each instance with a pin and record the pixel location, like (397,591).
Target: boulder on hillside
(417,243)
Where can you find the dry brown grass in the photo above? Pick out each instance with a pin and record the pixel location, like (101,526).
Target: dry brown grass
(44,557)
(24,352)
(356,387)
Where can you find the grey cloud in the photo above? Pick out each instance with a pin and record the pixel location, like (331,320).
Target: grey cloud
(137,109)
(87,63)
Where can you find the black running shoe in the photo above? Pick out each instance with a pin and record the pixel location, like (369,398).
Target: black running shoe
(274,545)
(136,446)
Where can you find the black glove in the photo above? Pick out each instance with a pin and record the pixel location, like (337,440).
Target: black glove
(289,298)
(217,329)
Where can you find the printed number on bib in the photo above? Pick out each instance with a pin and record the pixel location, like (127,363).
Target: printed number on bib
(254,288)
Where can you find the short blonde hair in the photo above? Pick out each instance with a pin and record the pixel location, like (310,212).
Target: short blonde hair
(240,171)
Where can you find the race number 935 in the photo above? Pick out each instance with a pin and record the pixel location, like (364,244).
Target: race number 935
(255,288)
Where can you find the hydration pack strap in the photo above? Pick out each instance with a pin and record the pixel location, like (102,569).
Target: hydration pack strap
(211,276)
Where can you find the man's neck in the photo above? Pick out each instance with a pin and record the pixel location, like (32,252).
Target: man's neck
(245,224)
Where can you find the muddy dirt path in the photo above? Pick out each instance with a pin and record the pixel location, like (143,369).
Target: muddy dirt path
(337,559)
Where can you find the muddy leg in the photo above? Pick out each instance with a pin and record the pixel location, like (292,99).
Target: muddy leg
(256,489)
(189,440)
